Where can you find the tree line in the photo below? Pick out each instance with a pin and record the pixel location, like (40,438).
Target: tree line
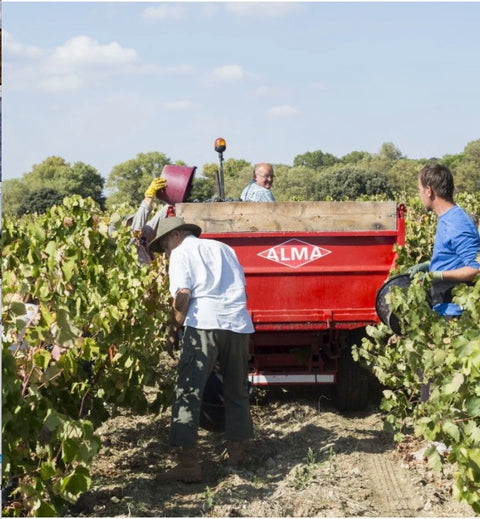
(314,175)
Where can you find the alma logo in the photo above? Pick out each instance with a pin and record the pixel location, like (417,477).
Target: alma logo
(294,253)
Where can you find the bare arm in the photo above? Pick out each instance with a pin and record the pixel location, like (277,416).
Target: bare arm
(462,275)
(179,312)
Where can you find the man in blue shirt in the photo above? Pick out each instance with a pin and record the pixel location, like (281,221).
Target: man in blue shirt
(457,242)
(258,190)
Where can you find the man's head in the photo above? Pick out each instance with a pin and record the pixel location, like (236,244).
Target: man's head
(263,175)
(170,233)
(435,180)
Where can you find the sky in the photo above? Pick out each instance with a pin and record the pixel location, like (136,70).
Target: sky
(100,82)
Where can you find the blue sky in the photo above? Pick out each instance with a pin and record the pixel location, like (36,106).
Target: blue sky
(100,82)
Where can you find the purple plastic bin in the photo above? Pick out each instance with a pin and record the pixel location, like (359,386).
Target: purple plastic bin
(179,181)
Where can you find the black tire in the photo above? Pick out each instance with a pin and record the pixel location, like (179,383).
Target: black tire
(351,392)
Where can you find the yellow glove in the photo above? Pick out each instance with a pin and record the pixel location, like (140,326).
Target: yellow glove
(157,184)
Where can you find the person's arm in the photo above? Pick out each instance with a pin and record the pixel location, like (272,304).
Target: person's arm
(140,218)
(466,246)
(461,275)
(179,312)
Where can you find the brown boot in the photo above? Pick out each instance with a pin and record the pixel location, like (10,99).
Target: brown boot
(236,454)
(188,470)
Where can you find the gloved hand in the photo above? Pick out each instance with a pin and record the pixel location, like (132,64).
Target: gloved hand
(420,267)
(157,184)
(437,274)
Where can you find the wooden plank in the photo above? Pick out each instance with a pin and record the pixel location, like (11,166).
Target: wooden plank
(290,216)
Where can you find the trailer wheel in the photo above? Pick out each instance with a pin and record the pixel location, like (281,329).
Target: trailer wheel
(352,387)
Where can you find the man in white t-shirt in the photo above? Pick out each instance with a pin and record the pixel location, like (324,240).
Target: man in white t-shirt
(207,284)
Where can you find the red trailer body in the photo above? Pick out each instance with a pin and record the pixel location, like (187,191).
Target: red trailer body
(312,270)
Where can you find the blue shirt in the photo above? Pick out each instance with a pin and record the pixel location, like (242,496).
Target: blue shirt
(457,244)
(255,193)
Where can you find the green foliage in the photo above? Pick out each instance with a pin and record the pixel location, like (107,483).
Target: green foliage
(443,355)
(297,183)
(234,184)
(389,151)
(57,174)
(40,200)
(467,169)
(354,156)
(14,192)
(93,346)
(203,189)
(351,183)
(315,160)
(129,180)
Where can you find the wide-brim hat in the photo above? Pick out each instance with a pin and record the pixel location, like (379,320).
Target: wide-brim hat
(171,224)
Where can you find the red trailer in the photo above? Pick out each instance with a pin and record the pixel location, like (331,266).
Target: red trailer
(313,270)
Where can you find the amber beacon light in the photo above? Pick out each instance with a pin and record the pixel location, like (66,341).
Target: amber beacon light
(220,147)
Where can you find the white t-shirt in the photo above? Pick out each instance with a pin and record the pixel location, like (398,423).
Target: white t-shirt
(211,271)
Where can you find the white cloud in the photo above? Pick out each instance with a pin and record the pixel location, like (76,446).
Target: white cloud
(79,62)
(282,111)
(84,52)
(263,9)
(12,49)
(184,104)
(162,12)
(229,72)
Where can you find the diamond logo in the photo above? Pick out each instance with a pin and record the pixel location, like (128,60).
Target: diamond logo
(294,253)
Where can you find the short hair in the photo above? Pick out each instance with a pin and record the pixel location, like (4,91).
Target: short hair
(440,179)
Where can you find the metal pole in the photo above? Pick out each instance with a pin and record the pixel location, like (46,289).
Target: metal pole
(220,147)
(222,183)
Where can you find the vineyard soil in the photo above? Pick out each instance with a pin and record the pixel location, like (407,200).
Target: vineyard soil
(306,460)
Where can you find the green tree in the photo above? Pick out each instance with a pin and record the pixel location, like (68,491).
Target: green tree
(315,160)
(84,180)
(403,175)
(295,184)
(232,167)
(236,175)
(202,190)
(355,156)
(40,200)
(234,185)
(209,169)
(14,193)
(55,173)
(390,152)
(467,169)
(350,183)
(47,174)
(129,180)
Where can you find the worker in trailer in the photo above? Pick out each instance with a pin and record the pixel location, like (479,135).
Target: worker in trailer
(259,188)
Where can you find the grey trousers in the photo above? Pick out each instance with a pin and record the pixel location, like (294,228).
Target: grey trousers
(201,349)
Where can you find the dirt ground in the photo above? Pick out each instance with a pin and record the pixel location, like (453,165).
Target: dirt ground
(306,460)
